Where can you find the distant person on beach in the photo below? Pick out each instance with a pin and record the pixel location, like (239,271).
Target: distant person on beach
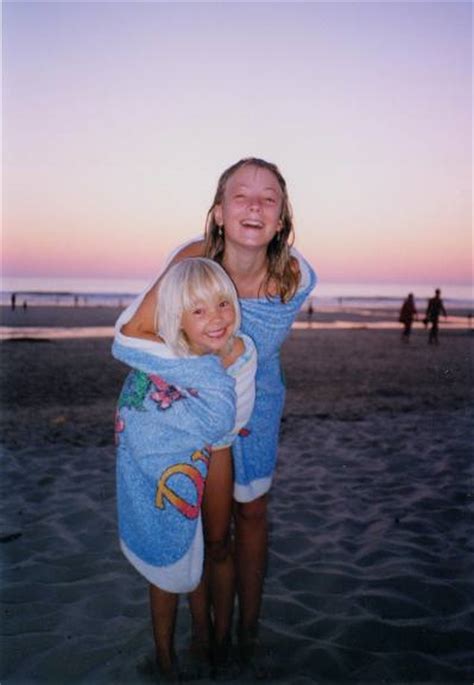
(13,302)
(407,314)
(433,311)
(249,230)
(191,390)
(310,312)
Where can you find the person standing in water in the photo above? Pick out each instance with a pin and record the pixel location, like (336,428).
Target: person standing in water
(433,311)
(407,314)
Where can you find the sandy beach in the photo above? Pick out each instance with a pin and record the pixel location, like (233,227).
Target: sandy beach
(370,572)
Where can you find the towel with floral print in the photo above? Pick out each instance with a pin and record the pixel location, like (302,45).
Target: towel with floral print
(170,410)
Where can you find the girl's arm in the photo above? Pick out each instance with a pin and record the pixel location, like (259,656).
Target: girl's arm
(142,323)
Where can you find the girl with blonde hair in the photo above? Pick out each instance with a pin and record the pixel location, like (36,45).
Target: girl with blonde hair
(191,389)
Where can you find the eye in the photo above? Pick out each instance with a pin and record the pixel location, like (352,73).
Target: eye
(197,311)
(270,200)
(224,303)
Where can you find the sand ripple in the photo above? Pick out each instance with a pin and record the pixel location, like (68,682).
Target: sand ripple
(371,566)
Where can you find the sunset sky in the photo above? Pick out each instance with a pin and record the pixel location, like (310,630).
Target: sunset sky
(118,118)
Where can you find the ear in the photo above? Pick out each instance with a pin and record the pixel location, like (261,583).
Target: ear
(218,218)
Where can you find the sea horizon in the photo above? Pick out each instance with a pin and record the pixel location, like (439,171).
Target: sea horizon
(52,290)
(336,305)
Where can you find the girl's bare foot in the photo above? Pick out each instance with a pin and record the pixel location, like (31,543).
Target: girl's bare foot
(167,667)
(155,672)
(197,661)
(255,657)
(225,665)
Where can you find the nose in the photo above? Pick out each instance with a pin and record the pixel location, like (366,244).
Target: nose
(255,204)
(216,314)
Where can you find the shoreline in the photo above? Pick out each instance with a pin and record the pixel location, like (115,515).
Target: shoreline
(56,322)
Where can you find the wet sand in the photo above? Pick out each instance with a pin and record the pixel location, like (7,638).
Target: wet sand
(370,573)
(95,316)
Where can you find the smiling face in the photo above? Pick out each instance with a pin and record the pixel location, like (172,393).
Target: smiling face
(209,325)
(250,211)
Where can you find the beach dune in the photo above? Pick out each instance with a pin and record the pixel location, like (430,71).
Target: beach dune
(370,570)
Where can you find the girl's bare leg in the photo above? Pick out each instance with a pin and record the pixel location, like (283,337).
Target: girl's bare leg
(219,573)
(163,616)
(198,660)
(251,539)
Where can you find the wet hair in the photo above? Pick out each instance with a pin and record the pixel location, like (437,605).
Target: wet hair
(185,284)
(280,269)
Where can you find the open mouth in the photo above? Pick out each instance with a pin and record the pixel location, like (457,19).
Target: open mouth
(216,335)
(252,223)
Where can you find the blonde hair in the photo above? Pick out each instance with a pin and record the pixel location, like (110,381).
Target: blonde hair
(280,271)
(186,283)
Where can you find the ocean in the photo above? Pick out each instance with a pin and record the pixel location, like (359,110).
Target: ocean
(119,292)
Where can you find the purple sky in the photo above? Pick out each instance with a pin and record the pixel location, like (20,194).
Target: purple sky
(119,118)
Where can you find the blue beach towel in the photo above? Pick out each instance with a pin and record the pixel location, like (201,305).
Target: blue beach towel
(170,410)
(268,322)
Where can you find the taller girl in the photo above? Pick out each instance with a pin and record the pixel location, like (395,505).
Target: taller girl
(249,231)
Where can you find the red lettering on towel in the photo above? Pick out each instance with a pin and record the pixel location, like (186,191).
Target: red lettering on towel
(164,491)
